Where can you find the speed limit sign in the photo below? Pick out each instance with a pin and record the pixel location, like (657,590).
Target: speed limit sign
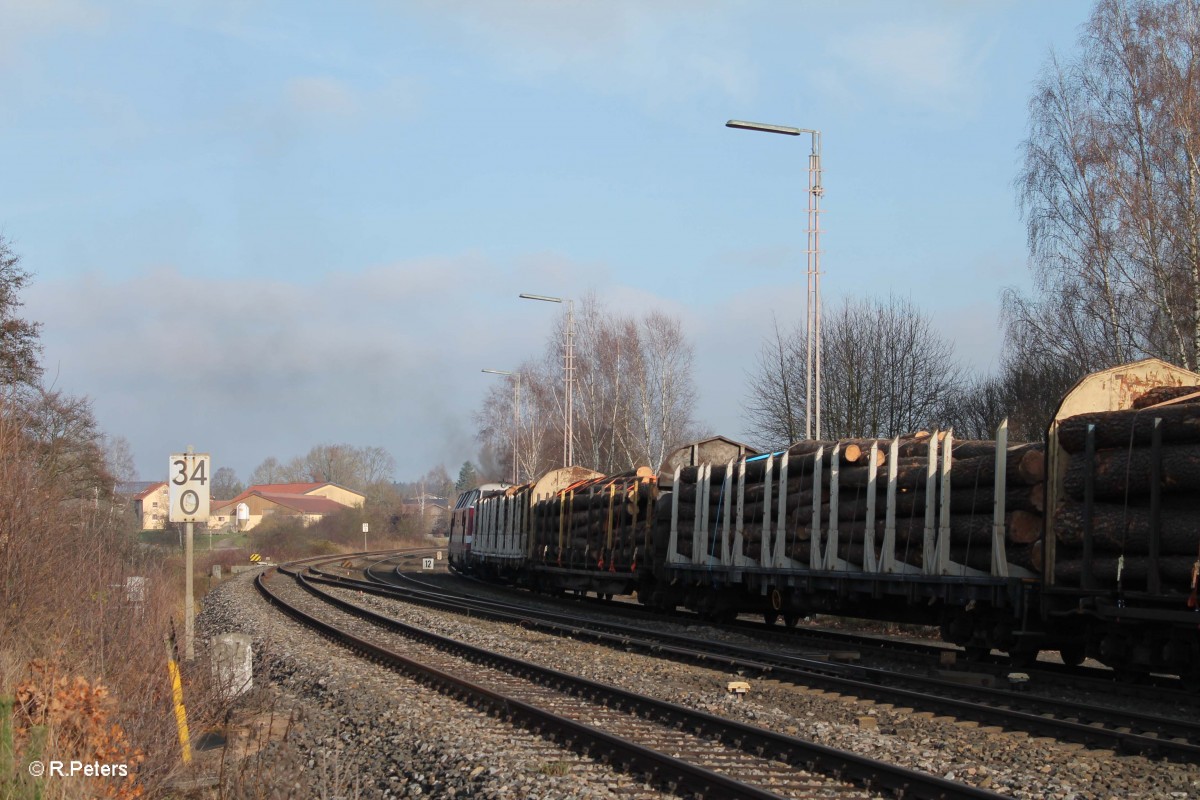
(188,487)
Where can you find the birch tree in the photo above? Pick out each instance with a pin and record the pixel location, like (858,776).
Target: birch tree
(634,396)
(1110,190)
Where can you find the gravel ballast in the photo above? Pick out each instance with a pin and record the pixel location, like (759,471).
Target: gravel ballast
(361,730)
(395,738)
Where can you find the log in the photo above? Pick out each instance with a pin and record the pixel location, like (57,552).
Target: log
(1124,473)
(963,448)
(908,476)
(1120,429)
(1117,528)
(1024,464)
(1175,571)
(858,451)
(1161,394)
(852,501)
(755,471)
(1021,527)
(962,501)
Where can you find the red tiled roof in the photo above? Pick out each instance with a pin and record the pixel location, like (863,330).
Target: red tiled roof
(147,492)
(277,488)
(303,503)
(288,488)
(218,506)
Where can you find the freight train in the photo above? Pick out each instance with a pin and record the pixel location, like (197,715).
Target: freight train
(1087,543)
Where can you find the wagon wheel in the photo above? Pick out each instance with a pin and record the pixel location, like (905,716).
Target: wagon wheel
(1073,654)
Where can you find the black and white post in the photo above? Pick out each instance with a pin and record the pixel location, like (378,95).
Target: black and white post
(188,502)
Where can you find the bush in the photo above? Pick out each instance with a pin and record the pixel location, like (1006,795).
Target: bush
(77,641)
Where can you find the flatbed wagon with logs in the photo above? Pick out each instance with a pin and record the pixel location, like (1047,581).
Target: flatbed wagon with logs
(1087,543)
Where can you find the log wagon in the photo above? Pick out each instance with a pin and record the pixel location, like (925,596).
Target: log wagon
(1087,543)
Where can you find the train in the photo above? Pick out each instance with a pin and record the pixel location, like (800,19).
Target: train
(1087,543)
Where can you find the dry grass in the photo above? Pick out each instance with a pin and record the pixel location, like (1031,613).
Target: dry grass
(78,648)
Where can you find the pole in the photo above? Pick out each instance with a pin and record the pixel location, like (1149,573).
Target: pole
(570,380)
(189,603)
(814,246)
(516,422)
(812,322)
(568,376)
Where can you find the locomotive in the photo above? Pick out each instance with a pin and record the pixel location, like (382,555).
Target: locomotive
(1087,543)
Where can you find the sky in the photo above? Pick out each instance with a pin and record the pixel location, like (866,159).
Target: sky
(255,227)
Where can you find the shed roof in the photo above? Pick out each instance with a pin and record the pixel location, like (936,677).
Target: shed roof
(303,503)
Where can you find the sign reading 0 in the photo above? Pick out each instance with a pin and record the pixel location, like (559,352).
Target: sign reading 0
(188,487)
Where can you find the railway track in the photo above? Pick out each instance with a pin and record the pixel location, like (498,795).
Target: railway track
(686,751)
(1100,681)
(1086,723)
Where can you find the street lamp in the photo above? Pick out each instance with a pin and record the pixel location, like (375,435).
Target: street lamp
(516,376)
(813,312)
(568,377)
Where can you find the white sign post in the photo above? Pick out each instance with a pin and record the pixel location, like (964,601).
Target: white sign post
(187,502)
(364,537)
(426,563)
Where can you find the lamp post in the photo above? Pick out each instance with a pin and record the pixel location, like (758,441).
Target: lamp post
(813,312)
(516,376)
(568,377)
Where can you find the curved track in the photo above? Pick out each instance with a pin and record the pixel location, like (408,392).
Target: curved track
(1064,720)
(686,751)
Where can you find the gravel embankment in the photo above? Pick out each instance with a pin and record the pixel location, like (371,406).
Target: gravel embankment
(361,730)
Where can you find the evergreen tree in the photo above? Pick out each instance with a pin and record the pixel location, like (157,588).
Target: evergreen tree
(466,477)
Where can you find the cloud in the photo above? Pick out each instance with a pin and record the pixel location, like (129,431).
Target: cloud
(320,96)
(23,22)
(389,356)
(247,368)
(323,100)
(25,18)
(930,65)
(666,52)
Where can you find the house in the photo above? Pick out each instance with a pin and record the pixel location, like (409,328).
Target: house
(308,502)
(431,512)
(149,506)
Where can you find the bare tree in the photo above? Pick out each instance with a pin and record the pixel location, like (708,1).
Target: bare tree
(1110,189)
(774,407)
(634,397)
(353,467)
(19,346)
(665,392)
(69,443)
(885,372)
(118,458)
(225,483)
(269,471)
(437,482)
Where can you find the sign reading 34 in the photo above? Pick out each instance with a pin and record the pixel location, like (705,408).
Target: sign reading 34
(188,487)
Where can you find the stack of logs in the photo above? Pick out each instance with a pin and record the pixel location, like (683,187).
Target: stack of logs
(972,480)
(1121,515)
(602,523)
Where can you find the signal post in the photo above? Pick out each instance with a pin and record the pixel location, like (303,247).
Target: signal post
(188,500)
